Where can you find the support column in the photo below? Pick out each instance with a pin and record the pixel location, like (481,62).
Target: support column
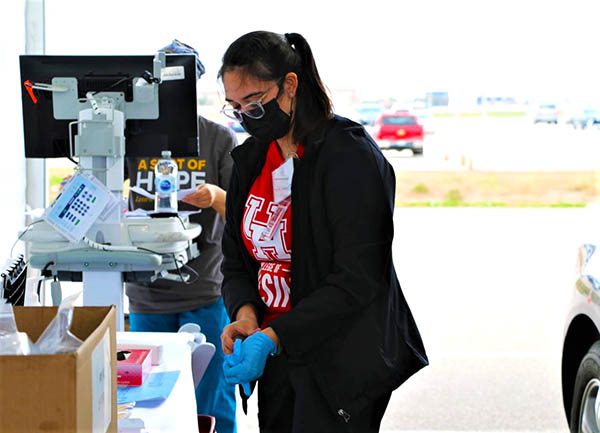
(35,43)
(104,288)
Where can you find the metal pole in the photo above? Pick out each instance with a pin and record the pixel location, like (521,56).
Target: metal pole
(35,43)
(35,168)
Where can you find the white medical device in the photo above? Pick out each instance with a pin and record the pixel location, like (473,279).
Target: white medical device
(84,235)
(78,206)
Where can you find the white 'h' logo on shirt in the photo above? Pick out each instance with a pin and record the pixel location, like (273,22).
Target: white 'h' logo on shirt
(264,250)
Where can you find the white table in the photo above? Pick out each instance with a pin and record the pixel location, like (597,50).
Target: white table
(178,412)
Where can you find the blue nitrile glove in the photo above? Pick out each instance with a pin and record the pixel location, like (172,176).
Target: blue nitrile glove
(234,359)
(252,359)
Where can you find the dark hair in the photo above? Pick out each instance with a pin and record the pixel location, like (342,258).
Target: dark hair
(270,56)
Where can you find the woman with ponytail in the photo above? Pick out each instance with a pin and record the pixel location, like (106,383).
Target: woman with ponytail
(318,317)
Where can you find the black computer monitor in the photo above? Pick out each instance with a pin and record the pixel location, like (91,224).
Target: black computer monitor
(176,129)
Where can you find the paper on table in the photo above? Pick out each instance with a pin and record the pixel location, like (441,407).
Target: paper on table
(180,194)
(183,192)
(157,386)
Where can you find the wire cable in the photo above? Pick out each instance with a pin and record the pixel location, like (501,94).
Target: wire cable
(115,84)
(45,268)
(43,280)
(175,261)
(149,250)
(181,221)
(193,271)
(178,270)
(21,235)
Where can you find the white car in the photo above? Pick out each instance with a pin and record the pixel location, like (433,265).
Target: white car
(581,345)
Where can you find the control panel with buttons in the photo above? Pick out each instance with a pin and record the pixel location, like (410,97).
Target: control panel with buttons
(78,206)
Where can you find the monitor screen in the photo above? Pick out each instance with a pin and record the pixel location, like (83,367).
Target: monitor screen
(176,129)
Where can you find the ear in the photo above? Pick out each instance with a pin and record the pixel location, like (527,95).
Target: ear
(290,84)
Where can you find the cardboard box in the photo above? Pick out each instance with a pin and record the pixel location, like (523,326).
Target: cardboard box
(74,392)
(133,370)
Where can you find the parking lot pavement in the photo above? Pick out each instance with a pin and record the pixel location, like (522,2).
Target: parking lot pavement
(488,288)
(503,144)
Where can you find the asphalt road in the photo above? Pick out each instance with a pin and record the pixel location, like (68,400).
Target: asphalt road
(488,288)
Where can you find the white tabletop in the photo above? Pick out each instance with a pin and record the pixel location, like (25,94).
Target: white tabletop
(178,412)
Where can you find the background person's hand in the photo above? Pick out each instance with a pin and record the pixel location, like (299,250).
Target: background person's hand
(203,198)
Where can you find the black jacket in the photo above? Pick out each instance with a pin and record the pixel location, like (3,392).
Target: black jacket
(349,322)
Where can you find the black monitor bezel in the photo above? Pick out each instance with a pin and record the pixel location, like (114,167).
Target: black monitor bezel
(176,129)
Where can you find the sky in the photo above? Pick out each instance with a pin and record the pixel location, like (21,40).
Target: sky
(542,50)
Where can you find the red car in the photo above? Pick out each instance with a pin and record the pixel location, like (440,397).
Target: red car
(399,131)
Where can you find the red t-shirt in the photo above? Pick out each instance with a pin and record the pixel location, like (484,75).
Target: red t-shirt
(274,255)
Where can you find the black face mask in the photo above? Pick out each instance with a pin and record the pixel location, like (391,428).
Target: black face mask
(273,125)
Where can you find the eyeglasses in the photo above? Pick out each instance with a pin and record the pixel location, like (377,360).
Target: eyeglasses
(253,110)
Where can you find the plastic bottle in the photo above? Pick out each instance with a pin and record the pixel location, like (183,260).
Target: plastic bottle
(165,184)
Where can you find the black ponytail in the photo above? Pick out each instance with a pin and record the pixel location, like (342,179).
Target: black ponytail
(270,56)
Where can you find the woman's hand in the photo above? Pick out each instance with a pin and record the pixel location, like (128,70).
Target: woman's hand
(238,329)
(245,325)
(249,364)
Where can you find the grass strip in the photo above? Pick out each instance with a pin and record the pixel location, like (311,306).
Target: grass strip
(488,204)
